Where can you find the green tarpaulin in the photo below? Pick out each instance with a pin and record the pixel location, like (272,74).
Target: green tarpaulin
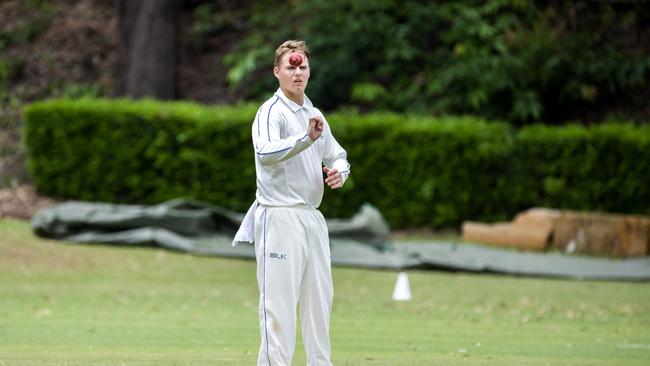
(362,241)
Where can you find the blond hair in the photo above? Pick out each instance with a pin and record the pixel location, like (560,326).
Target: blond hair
(290,46)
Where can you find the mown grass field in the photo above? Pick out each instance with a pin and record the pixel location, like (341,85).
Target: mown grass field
(69,304)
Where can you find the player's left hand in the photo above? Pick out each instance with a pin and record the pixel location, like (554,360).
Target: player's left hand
(334,179)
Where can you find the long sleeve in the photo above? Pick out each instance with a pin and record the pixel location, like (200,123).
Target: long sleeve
(335,156)
(270,147)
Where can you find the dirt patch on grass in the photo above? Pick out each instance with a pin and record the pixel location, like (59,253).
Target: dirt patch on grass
(18,247)
(23,251)
(41,257)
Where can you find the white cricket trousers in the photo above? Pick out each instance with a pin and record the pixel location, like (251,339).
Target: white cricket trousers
(293,267)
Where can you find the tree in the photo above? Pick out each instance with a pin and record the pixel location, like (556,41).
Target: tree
(147,34)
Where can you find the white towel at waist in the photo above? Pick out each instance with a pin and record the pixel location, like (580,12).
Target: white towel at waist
(246,232)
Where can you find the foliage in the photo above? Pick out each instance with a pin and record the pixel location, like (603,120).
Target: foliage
(124,151)
(208,20)
(30,27)
(75,90)
(10,68)
(602,168)
(419,171)
(422,171)
(38,14)
(515,60)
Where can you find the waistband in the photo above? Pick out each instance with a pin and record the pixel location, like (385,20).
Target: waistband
(302,206)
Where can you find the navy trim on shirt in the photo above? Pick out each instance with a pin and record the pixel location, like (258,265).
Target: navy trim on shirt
(268,118)
(273,152)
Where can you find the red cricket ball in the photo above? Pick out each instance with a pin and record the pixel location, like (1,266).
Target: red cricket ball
(295,59)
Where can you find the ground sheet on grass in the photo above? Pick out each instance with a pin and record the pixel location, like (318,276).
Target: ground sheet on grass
(360,241)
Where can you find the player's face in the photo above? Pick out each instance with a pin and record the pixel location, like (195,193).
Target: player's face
(293,79)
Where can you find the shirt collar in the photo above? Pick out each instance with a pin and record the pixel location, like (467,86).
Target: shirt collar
(290,103)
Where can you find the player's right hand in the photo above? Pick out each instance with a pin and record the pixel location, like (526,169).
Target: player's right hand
(315,128)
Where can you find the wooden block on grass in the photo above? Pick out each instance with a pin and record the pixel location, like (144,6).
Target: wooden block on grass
(517,235)
(602,234)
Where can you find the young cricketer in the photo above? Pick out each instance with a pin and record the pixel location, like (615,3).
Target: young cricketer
(293,146)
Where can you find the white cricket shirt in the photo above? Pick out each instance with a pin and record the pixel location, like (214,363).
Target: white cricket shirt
(288,165)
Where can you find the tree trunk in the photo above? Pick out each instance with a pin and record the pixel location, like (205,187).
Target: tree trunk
(147,33)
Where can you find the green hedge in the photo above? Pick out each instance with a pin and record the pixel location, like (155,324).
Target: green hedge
(605,167)
(140,152)
(420,172)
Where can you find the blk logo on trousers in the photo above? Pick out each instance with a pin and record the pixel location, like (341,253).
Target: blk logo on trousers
(278,256)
